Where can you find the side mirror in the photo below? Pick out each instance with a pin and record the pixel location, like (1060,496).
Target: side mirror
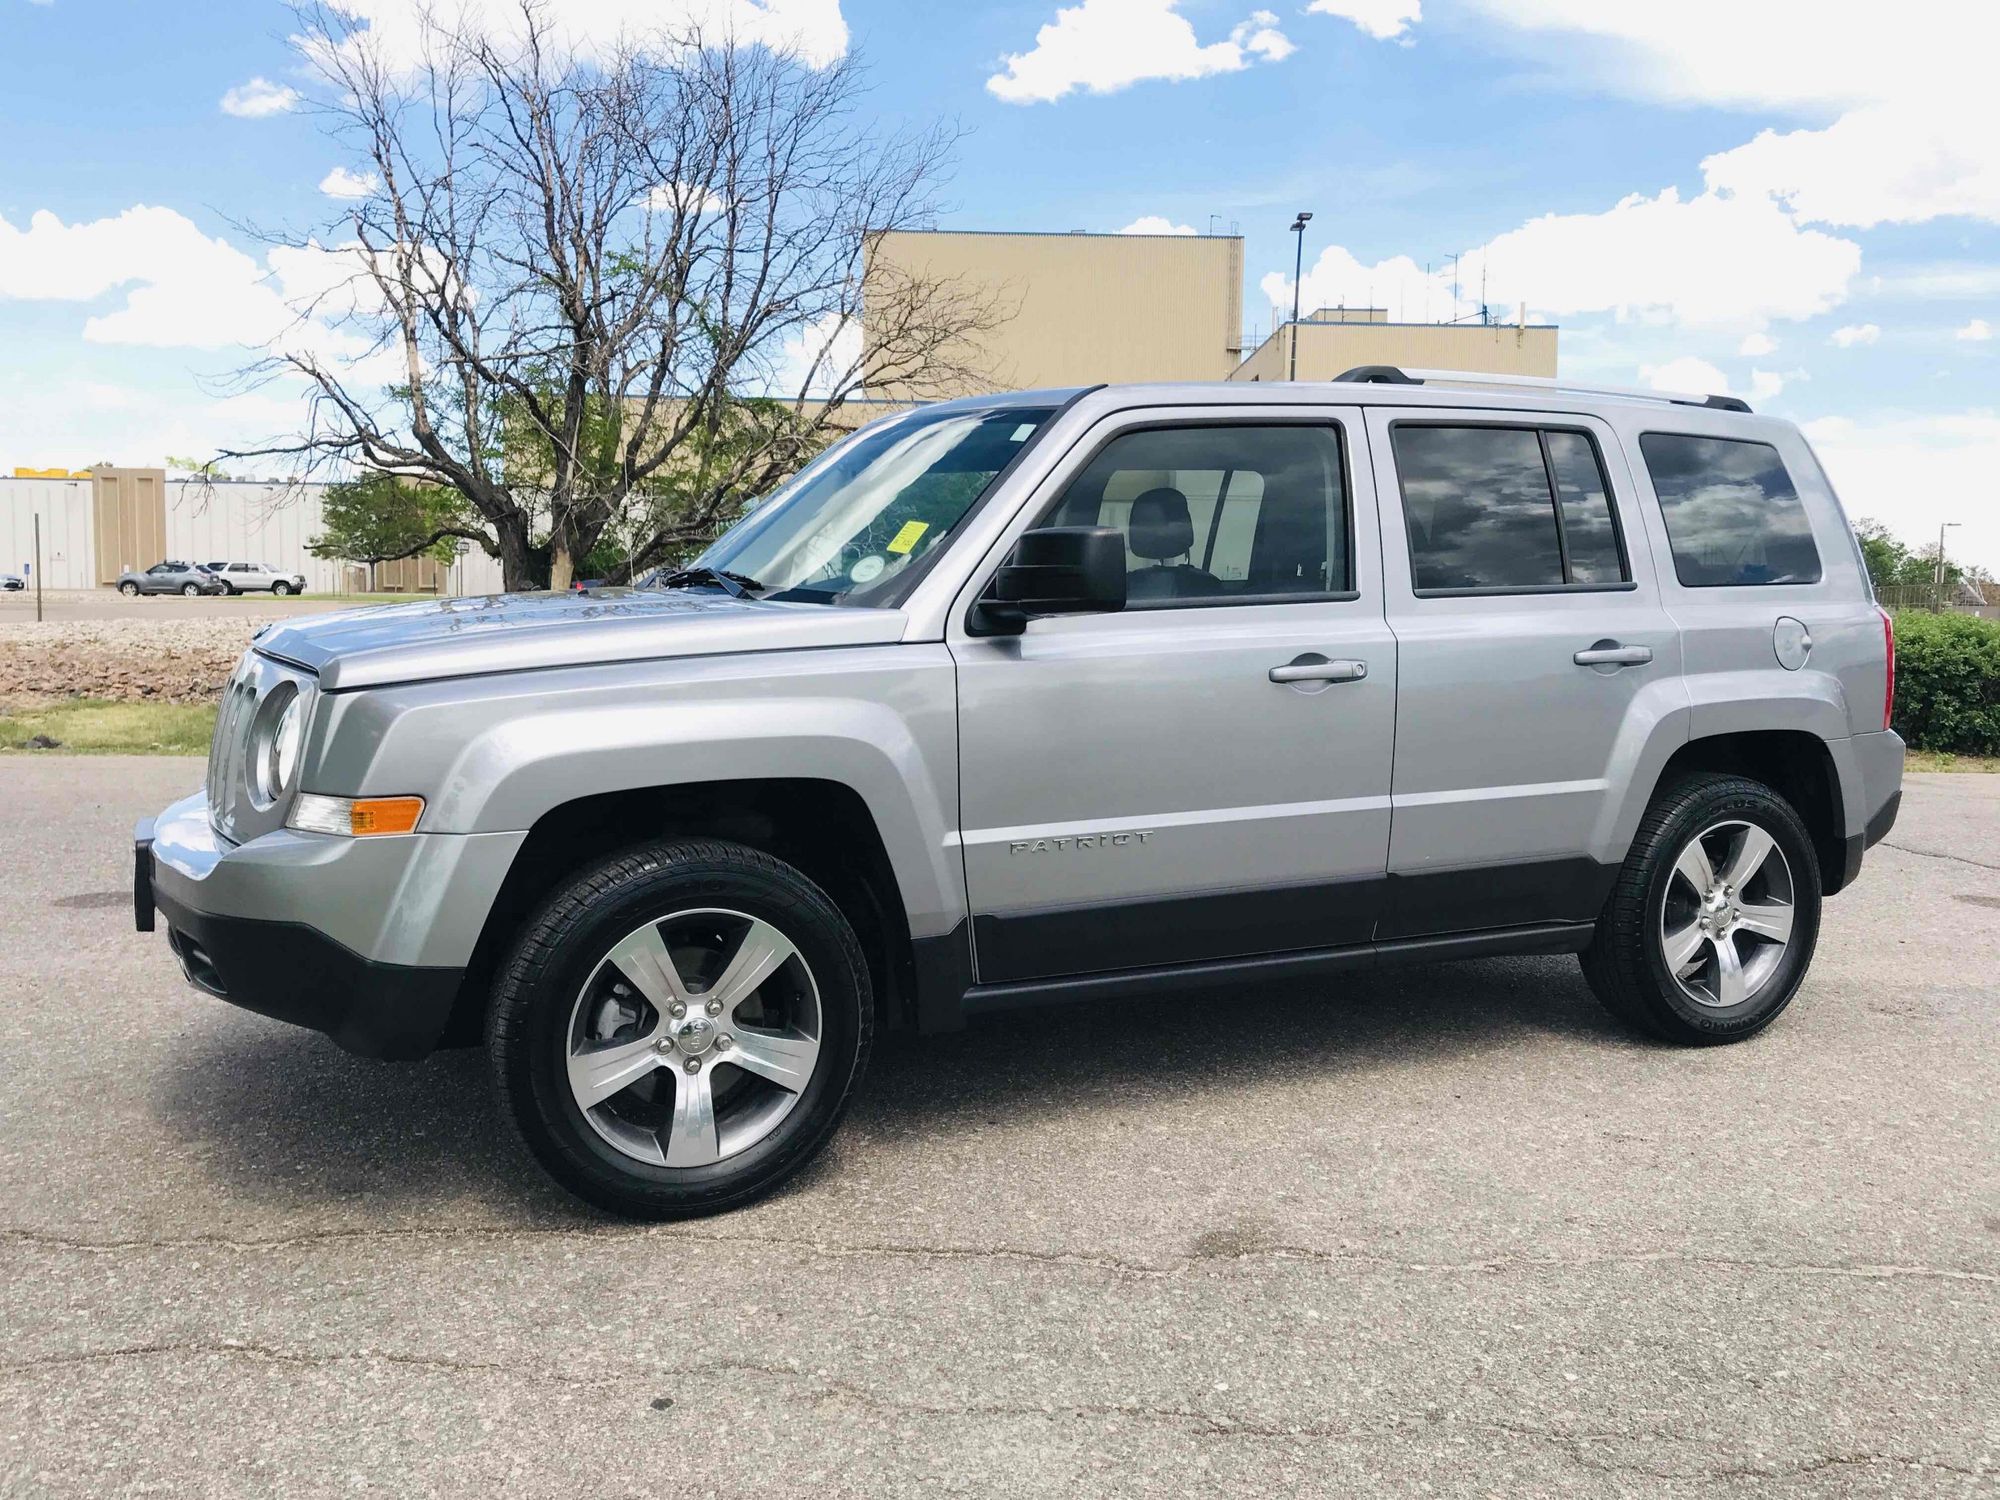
(1057,570)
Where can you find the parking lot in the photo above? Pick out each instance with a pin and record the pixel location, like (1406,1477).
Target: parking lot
(1441,1231)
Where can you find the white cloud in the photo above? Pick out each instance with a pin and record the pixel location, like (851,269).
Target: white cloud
(181,288)
(1978,331)
(1156,224)
(817,358)
(1101,46)
(258,98)
(1855,333)
(1710,262)
(1909,97)
(1910,473)
(341,183)
(687,197)
(1686,376)
(812,29)
(1756,344)
(1692,376)
(1381,19)
(1765,385)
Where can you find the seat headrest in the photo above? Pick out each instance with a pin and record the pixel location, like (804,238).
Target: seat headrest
(1160,527)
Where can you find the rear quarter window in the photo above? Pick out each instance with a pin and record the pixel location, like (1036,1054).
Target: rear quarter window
(1733,515)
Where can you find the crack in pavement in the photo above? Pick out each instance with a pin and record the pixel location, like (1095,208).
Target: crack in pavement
(1959,859)
(1080,1260)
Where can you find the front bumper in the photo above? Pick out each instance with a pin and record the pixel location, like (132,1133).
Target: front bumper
(366,940)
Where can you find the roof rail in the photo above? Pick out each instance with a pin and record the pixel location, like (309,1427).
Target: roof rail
(1391,375)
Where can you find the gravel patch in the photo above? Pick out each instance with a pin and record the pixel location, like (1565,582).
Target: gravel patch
(167,661)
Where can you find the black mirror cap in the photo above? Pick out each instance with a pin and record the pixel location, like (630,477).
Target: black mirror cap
(1056,570)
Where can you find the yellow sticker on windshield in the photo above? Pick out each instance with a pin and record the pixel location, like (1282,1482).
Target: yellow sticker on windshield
(905,539)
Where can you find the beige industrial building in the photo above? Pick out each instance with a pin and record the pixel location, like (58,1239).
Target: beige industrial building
(1079,309)
(1340,338)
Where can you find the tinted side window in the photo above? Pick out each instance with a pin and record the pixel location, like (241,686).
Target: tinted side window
(1476,501)
(1590,540)
(1212,514)
(1731,510)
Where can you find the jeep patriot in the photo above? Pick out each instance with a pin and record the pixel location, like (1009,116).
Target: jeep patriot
(1061,695)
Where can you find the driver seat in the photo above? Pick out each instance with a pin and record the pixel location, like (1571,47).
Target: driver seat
(1160,529)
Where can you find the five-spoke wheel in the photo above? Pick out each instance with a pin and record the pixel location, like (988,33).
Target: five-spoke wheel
(694,1037)
(680,1028)
(1712,919)
(1727,918)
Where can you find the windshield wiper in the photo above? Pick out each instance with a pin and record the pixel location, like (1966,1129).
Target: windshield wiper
(736,585)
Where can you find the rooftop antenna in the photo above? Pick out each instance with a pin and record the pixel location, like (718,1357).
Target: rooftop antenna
(1427,291)
(1484,316)
(1454,286)
(1211,222)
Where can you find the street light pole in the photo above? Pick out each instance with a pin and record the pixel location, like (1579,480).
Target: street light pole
(1298,266)
(1943,526)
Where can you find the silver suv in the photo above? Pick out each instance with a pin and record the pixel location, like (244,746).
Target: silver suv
(1061,695)
(170,577)
(247,577)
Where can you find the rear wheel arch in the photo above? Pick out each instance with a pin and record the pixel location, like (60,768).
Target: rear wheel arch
(1795,764)
(824,829)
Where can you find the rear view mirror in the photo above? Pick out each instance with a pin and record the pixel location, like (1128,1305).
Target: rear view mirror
(1057,570)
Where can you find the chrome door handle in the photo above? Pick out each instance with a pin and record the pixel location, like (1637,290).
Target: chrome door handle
(1307,669)
(1605,654)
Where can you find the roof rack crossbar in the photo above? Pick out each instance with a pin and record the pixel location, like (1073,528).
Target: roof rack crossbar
(1392,375)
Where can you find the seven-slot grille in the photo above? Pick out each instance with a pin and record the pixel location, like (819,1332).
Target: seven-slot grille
(231,810)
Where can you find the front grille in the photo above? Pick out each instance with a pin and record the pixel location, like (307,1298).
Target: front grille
(231,811)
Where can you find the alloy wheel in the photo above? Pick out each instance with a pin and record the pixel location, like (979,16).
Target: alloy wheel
(693,1038)
(1726,918)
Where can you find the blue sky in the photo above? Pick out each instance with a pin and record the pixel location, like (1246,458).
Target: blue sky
(1798,201)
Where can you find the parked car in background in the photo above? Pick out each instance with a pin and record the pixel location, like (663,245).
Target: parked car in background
(247,577)
(12,583)
(1049,697)
(171,577)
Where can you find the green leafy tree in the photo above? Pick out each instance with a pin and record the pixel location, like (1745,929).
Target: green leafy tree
(379,518)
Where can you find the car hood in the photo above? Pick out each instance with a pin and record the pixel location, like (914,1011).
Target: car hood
(516,632)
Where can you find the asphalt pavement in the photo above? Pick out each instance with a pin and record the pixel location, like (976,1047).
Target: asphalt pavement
(1439,1231)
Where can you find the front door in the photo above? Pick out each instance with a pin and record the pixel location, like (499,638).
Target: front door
(1538,668)
(1206,774)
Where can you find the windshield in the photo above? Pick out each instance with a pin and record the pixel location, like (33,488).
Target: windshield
(864,512)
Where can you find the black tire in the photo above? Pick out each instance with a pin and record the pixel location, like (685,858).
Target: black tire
(528,1023)
(190,590)
(281,588)
(129,590)
(1625,964)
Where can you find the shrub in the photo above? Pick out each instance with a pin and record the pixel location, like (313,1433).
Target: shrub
(1948,682)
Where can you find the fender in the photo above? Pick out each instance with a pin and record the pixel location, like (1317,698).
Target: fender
(495,754)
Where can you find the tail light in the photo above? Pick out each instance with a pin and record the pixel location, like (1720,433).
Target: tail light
(1889,655)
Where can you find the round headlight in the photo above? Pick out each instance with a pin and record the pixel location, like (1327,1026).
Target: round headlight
(286,743)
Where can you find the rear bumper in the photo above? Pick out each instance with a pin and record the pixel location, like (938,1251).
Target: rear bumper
(1871,785)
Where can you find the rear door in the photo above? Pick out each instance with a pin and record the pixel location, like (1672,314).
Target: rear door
(1206,774)
(1536,663)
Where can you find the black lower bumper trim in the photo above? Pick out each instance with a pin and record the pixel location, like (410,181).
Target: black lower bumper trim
(1884,819)
(292,972)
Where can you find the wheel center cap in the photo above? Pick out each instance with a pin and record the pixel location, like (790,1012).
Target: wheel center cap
(695,1035)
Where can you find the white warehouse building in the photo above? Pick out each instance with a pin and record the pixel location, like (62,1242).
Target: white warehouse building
(98,524)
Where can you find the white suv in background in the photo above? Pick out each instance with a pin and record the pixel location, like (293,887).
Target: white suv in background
(243,577)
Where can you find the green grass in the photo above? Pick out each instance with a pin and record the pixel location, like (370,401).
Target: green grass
(97,726)
(1942,760)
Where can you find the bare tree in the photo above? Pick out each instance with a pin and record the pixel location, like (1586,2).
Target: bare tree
(616,290)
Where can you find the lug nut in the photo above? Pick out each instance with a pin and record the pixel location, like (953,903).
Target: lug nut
(715,1007)
(664,1044)
(724,1042)
(678,1009)
(693,1065)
